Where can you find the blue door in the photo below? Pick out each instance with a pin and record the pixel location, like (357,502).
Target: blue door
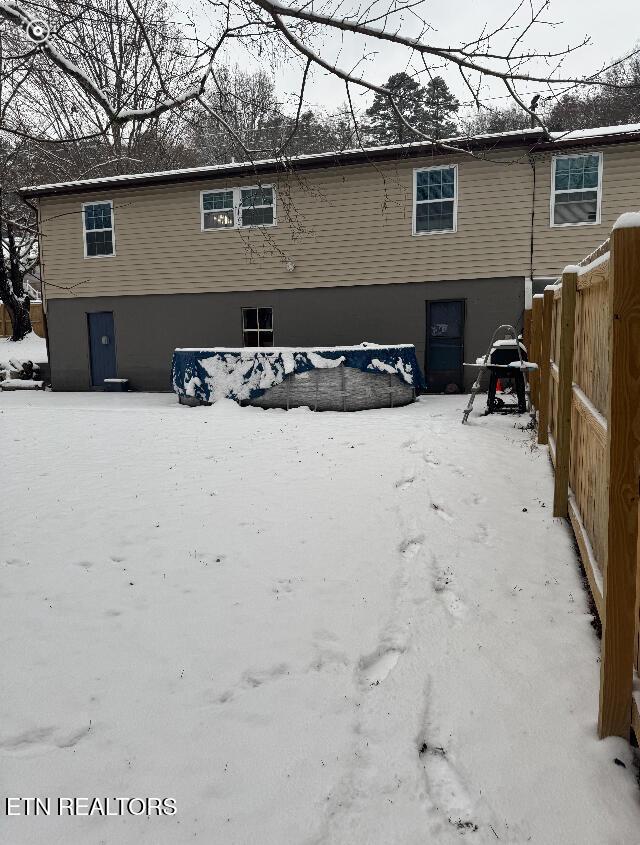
(445,345)
(102,347)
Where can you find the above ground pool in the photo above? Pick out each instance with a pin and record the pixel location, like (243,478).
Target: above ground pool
(347,378)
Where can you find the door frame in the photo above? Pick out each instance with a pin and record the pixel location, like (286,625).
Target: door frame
(440,301)
(93,386)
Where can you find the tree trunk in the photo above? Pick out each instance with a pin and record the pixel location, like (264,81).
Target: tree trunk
(19,315)
(12,289)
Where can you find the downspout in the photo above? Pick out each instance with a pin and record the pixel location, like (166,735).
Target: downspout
(528,291)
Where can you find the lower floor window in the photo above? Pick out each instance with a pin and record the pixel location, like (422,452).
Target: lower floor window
(257,326)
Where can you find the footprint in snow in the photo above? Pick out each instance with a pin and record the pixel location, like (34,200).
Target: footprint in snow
(452,602)
(84,564)
(411,547)
(42,740)
(404,483)
(16,561)
(429,460)
(254,678)
(441,512)
(445,788)
(375,668)
(285,587)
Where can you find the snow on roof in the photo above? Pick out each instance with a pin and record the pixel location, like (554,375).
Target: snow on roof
(533,135)
(596,132)
(332,156)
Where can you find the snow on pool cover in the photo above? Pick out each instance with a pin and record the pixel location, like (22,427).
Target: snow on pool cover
(243,374)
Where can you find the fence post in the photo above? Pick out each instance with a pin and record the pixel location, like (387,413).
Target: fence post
(544,364)
(623,458)
(565,384)
(534,352)
(526,330)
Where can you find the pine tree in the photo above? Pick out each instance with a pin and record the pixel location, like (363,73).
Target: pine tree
(429,109)
(384,125)
(440,108)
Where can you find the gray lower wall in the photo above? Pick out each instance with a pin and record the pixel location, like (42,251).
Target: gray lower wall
(148,328)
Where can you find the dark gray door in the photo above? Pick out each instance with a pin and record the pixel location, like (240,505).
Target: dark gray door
(102,347)
(445,344)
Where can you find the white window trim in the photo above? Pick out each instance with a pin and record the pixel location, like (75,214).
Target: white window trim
(237,211)
(244,308)
(552,198)
(112,230)
(417,170)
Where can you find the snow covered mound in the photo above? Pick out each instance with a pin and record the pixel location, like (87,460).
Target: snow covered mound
(15,354)
(241,374)
(30,348)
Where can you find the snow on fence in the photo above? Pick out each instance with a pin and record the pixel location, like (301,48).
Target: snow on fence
(585,338)
(36,320)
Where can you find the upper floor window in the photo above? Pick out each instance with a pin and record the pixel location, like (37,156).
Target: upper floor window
(218,210)
(257,326)
(97,224)
(576,189)
(435,192)
(234,208)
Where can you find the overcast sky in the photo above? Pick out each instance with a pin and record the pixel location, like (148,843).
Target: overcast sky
(614,28)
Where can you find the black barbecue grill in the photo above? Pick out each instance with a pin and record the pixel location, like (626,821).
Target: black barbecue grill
(503,353)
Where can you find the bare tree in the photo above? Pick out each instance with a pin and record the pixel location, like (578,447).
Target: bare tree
(261,125)
(52,33)
(18,253)
(51,129)
(247,102)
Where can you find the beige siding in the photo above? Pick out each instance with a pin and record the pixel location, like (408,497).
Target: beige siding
(344,225)
(338,226)
(556,247)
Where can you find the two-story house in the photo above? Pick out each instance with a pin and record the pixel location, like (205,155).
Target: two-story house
(405,244)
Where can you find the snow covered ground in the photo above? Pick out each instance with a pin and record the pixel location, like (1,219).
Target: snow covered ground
(31,348)
(361,629)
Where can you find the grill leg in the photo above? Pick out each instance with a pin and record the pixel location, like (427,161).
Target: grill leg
(491,396)
(521,391)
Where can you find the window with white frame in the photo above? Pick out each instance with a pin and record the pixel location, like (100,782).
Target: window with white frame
(218,210)
(575,190)
(234,208)
(435,199)
(97,224)
(257,326)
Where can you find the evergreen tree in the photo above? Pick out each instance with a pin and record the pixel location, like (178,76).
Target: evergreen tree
(429,109)
(440,108)
(384,126)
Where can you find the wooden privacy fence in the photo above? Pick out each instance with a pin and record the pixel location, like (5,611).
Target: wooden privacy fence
(585,338)
(36,320)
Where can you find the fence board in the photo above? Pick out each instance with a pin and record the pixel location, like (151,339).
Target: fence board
(545,352)
(594,446)
(535,353)
(565,380)
(37,320)
(623,447)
